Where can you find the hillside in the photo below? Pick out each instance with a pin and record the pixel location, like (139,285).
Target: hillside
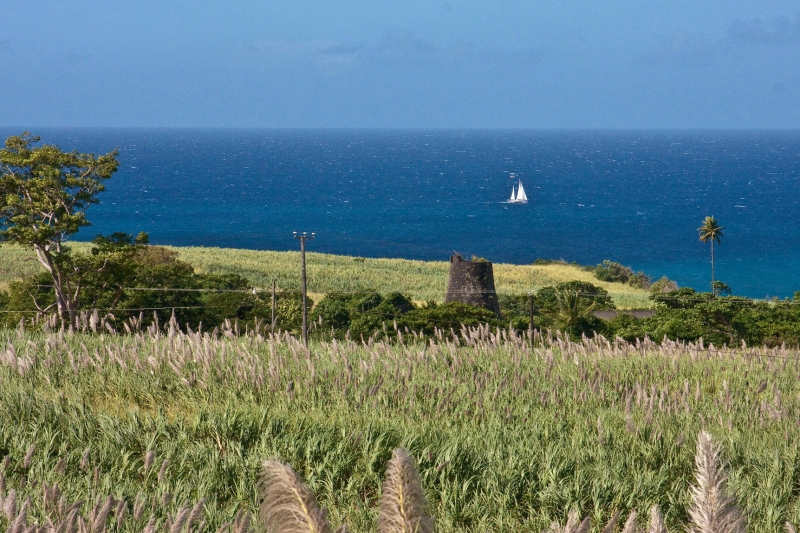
(423,280)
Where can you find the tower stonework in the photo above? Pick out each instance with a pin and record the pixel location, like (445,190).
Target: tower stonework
(472,282)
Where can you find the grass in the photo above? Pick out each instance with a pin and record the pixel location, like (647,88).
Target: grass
(16,263)
(422,280)
(508,436)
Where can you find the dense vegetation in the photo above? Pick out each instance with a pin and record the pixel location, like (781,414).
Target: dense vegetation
(615,272)
(120,276)
(509,433)
(731,320)
(123,277)
(421,280)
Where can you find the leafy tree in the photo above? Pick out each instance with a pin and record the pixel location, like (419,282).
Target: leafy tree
(711,231)
(361,313)
(513,304)
(108,269)
(515,311)
(719,287)
(399,301)
(446,316)
(333,313)
(366,302)
(682,298)
(663,285)
(725,319)
(615,272)
(44,194)
(687,315)
(123,277)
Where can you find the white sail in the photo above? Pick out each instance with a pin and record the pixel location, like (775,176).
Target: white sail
(521,197)
(513,195)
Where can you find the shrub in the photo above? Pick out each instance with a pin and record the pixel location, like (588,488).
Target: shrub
(663,285)
(361,313)
(612,271)
(446,316)
(514,304)
(546,299)
(333,312)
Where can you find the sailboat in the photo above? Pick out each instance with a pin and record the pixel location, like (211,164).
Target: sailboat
(518,196)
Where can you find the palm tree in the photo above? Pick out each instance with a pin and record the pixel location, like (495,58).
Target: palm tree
(711,231)
(572,309)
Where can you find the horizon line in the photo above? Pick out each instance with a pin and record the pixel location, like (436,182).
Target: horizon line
(415,128)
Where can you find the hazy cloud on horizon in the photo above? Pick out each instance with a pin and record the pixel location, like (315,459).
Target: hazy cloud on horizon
(623,64)
(780,30)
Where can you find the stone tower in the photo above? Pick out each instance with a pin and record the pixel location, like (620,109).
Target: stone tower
(472,282)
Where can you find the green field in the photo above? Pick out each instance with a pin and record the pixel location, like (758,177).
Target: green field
(508,435)
(422,280)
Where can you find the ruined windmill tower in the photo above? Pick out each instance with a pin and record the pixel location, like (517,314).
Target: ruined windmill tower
(472,282)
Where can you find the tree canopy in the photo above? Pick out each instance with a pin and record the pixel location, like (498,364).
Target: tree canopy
(710,230)
(44,194)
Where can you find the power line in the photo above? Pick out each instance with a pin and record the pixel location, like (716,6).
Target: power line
(112,309)
(255,291)
(169,289)
(522,292)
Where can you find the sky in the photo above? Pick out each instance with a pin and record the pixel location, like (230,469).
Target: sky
(401,64)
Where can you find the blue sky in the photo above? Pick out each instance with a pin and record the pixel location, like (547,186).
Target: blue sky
(401,64)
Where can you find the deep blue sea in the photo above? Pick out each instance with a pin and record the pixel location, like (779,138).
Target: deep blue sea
(636,197)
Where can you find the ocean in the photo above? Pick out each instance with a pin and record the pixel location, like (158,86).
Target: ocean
(636,197)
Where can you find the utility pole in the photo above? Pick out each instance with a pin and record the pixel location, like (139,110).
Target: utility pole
(272,329)
(303,237)
(531,311)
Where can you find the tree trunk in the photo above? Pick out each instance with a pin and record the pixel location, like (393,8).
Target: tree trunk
(66,311)
(713,290)
(66,308)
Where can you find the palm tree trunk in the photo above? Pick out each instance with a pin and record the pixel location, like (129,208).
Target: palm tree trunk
(713,291)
